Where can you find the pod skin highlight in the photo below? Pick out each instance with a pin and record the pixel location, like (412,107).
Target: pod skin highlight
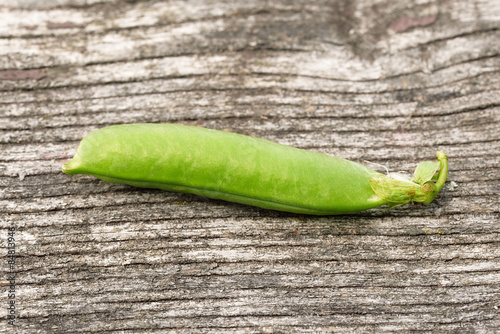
(247,170)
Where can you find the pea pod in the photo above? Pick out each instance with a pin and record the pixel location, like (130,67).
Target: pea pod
(243,169)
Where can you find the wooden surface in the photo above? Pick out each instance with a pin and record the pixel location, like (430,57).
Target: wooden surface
(389,82)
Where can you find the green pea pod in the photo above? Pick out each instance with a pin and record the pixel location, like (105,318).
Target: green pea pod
(242,169)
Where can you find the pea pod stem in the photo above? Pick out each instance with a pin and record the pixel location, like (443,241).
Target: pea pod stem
(399,191)
(442,176)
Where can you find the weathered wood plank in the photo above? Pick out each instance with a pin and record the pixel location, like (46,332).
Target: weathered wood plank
(377,82)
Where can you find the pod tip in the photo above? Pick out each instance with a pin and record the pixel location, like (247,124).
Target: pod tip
(71,167)
(64,169)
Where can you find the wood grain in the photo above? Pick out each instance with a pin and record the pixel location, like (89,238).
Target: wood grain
(379,82)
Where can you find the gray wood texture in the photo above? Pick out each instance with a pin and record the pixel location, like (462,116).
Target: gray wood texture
(389,82)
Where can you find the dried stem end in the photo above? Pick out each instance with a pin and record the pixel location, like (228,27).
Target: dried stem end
(421,188)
